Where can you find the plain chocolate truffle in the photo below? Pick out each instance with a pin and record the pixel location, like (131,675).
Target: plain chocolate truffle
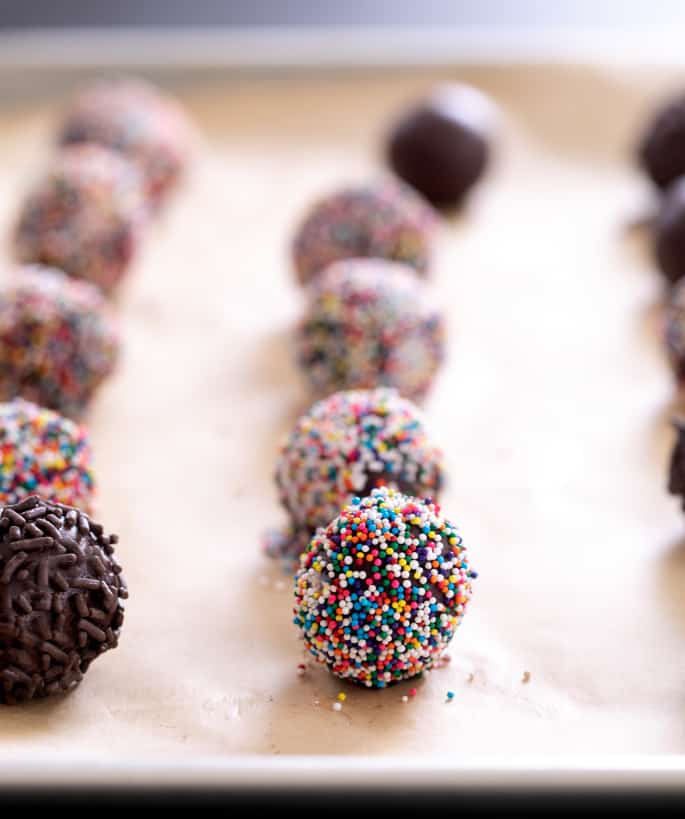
(441,146)
(674,330)
(676,477)
(669,232)
(661,151)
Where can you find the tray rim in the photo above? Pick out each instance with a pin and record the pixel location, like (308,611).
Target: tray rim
(269,47)
(634,773)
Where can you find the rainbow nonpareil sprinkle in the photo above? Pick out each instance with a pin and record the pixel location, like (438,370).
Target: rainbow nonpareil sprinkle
(370,323)
(58,339)
(386,221)
(84,216)
(344,446)
(43,453)
(382,589)
(139,121)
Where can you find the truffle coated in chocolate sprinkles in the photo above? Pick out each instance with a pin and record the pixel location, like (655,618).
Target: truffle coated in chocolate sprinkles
(60,599)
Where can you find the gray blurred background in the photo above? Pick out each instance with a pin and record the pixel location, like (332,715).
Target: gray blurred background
(585,13)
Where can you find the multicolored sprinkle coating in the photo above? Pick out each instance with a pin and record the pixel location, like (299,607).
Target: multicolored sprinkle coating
(42,453)
(388,221)
(84,217)
(382,590)
(344,446)
(58,339)
(136,119)
(368,323)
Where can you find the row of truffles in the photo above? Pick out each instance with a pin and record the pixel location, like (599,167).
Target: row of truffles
(61,586)
(383,579)
(439,149)
(661,155)
(368,321)
(369,318)
(124,147)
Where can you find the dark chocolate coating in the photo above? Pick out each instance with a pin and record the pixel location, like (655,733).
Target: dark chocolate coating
(60,598)
(438,150)
(675,330)
(669,232)
(676,477)
(661,151)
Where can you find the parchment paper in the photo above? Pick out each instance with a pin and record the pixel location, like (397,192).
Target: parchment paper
(553,412)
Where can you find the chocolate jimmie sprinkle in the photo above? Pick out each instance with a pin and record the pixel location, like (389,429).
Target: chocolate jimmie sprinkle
(60,598)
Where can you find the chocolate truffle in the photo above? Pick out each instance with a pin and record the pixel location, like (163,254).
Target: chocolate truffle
(60,598)
(441,146)
(42,453)
(84,216)
(661,151)
(675,330)
(669,232)
(388,221)
(142,123)
(676,478)
(58,339)
(344,446)
(368,323)
(382,589)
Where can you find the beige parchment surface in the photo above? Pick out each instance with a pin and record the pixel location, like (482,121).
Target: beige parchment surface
(552,410)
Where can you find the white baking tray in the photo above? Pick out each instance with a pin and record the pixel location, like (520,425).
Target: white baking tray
(552,412)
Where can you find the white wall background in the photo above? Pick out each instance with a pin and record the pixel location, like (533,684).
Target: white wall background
(585,13)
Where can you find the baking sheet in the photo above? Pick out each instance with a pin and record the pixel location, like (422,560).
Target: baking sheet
(552,411)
